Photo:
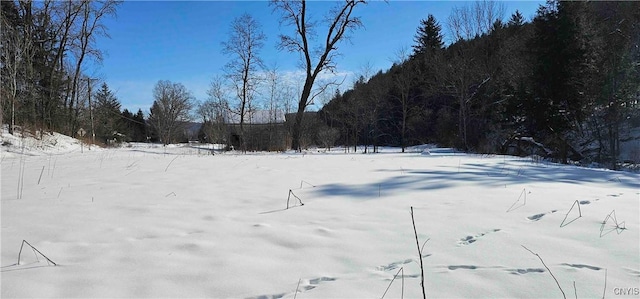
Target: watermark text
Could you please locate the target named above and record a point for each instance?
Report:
(626, 291)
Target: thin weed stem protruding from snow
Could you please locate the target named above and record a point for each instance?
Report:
(520, 171)
(294, 195)
(545, 265)
(392, 280)
(415, 232)
(605, 283)
(305, 182)
(54, 166)
(298, 286)
(136, 162)
(422, 247)
(575, 291)
(34, 252)
(21, 179)
(165, 170)
(563, 224)
(619, 227)
(615, 179)
(41, 172)
(523, 196)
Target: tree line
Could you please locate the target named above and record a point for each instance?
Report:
(564, 85)
(314, 40)
(46, 45)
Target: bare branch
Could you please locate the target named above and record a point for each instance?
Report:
(321, 90)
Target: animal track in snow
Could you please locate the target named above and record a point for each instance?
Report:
(632, 272)
(399, 264)
(303, 286)
(519, 271)
(394, 265)
(472, 239)
(580, 266)
(537, 217)
(313, 283)
(525, 271)
(277, 296)
(467, 267)
(316, 281)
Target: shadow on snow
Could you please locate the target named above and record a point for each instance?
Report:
(490, 174)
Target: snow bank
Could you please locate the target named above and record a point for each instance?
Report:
(39, 144)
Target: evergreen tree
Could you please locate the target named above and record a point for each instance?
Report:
(557, 79)
(569, 79)
(107, 116)
(516, 20)
(127, 124)
(615, 53)
(140, 131)
(428, 37)
(133, 126)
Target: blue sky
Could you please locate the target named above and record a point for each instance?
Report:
(180, 41)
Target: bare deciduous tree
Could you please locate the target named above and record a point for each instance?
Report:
(245, 41)
(274, 89)
(339, 21)
(13, 48)
(215, 112)
(403, 79)
(170, 110)
(465, 78)
(92, 13)
(68, 12)
(467, 22)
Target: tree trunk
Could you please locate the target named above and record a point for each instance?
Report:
(296, 130)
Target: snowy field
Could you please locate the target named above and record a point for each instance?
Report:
(151, 221)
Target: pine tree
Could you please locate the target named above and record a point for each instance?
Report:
(516, 20)
(558, 76)
(107, 114)
(133, 126)
(140, 132)
(127, 124)
(428, 37)
(614, 83)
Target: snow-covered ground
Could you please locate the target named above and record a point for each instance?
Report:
(150, 221)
